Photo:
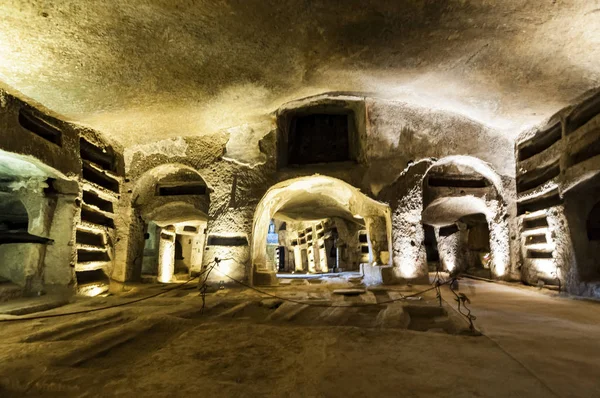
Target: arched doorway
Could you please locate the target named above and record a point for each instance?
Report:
(171, 204)
(462, 202)
(329, 226)
(37, 207)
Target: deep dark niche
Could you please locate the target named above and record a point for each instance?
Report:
(593, 223)
(40, 127)
(216, 240)
(184, 189)
(319, 138)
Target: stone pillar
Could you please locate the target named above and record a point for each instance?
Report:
(377, 237)
(129, 242)
(59, 261)
(451, 249)
(298, 266)
(166, 255)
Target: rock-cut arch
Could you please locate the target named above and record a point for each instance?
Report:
(326, 195)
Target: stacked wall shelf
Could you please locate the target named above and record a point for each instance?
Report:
(101, 188)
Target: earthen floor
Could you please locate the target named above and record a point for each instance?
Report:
(534, 344)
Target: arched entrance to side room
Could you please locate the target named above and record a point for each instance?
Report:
(462, 202)
(171, 203)
(37, 208)
(317, 225)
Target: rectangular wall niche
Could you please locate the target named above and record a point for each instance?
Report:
(318, 138)
(220, 240)
(40, 127)
(325, 133)
(181, 189)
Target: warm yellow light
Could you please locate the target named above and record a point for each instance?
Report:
(166, 261)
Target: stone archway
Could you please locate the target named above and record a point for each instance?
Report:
(174, 200)
(318, 197)
(458, 188)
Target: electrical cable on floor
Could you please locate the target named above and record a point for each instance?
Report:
(102, 308)
(323, 305)
(203, 289)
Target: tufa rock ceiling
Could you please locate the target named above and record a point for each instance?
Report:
(145, 70)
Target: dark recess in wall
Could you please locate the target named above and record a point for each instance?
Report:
(533, 239)
(540, 142)
(216, 240)
(457, 182)
(533, 223)
(89, 238)
(40, 127)
(92, 199)
(593, 223)
(184, 189)
(448, 230)
(539, 203)
(91, 276)
(103, 158)
(85, 256)
(96, 218)
(587, 152)
(538, 254)
(99, 178)
(319, 138)
(537, 177)
(584, 113)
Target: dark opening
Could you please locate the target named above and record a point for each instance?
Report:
(40, 127)
(89, 238)
(533, 223)
(319, 138)
(533, 239)
(540, 142)
(584, 113)
(448, 230)
(593, 223)
(168, 237)
(216, 240)
(96, 218)
(538, 254)
(430, 243)
(362, 238)
(94, 154)
(587, 152)
(91, 198)
(91, 276)
(364, 249)
(184, 189)
(538, 177)
(21, 237)
(85, 256)
(99, 178)
(178, 251)
(13, 215)
(457, 182)
(542, 202)
(189, 228)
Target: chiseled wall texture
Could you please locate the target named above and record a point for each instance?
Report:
(239, 166)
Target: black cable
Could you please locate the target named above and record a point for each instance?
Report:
(101, 308)
(329, 305)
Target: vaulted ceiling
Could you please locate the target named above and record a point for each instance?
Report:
(143, 70)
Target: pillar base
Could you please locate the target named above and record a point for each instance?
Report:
(261, 278)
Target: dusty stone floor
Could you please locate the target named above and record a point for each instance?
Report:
(535, 344)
